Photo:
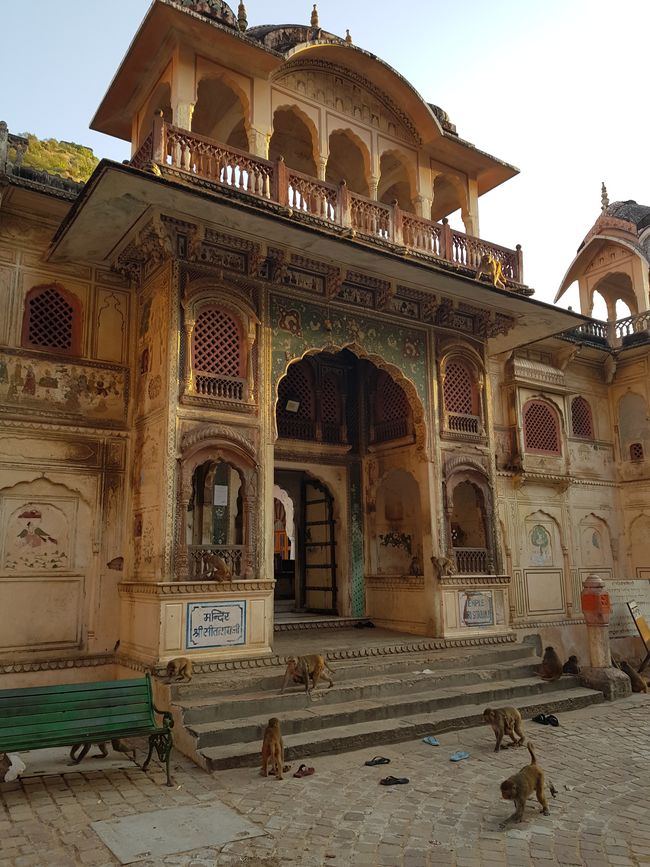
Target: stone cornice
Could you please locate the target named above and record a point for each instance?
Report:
(475, 580)
(195, 588)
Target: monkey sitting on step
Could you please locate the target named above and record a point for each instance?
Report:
(179, 668)
(301, 668)
(504, 721)
(571, 666)
(551, 668)
(520, 786)
(117, 743)
(638, 683)
(273, 749)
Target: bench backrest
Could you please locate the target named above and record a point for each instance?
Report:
(71, 713)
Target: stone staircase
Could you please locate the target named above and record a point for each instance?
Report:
(376, 700)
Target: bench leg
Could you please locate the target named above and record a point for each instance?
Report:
(162, 744)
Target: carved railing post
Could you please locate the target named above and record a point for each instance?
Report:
(158, 154)
(343, 216)
(519, 276)
(281, 182)
(446, 241)
(4, 140)
(397, 232)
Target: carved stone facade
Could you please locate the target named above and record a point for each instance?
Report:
(226, 399)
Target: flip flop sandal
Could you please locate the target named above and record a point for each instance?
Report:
(433, 742)
(304, 771)
(541, 718)
(393, 781)
(552, 720)
(458, 756)
(378, 760)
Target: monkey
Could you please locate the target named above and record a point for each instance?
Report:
(638, 683)
(571, 666)
(443, 566)
(180, 667)
(273, 749)
(504, 721)
(5, 764)
(117, 743)
(520, 786)
(216, 568)
(551, 668)
(493, 268)
(301, 668)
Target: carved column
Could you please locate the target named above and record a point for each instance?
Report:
(373, 185)
(188, 384)
(250, 524)
(183, 497)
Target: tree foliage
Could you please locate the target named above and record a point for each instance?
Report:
(59, 157)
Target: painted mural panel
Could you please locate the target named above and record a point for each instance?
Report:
(298, 327)
(37, 536)
(40, 386)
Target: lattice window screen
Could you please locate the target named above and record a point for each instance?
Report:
(50, 320)
(458, 389)
(330, 402)
(391, 403)
(581, 419)
(216, 343)
(296, 385)
(541, 429)
(636, 452)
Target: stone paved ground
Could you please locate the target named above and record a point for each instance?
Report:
(449, 814)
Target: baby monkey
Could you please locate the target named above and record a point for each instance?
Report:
(571, 665)
(504, 721)
(273, 749)
(520, 786)
(179, 668)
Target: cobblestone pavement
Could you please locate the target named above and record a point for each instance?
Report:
(449, 814)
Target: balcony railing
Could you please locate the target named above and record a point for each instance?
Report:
(332, 204)
(202, 560)
(458, 422)
(224, 387)
(471, 561)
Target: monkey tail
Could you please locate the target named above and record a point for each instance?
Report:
(533, 760)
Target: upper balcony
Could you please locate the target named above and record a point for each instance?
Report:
(185, 153)
(621, 333)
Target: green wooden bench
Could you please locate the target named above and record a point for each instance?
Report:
(84, 713)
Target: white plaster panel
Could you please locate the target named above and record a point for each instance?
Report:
(544, 591)
(451, 609)
(173, 627)
(43, 613)
(256, 616)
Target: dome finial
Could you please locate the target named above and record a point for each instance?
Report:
(348, 38)
(314, 17)
(242, 20)
(604, 198)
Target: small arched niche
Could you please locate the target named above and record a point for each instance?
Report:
(398, 533)
(215, 526)
(348, 161)
(395, 181)
(221, 114)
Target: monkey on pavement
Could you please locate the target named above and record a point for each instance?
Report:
(551, 668)
(117, 743)
(273, 749)
(521, 785)
(301, 668)
(504, 721)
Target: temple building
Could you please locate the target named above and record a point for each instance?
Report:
(254, 373)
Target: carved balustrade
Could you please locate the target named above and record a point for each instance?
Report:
(459, 422)
(633, 328)
(471, 561)
(201, 560)
(185, 151)
(224, 387)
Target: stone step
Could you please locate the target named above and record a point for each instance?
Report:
(343, 711)
(208, 687)
(380, 687)
(374, 733)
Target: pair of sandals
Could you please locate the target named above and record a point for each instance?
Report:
(546, 720)
(386, 781)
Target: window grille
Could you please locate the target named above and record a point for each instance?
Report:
(392, 410)
(459, 389)
(217, 343)
(51, 320)
(636, 452)
(541, 429)
(297, 387)
(581, 419)
(330, 403)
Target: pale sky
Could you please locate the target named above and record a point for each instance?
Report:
(555, 87)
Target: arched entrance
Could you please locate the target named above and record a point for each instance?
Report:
(349, 436)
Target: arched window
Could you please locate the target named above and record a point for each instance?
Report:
(541, 429)
(581, 419)
(460, 398)
(52, 320)
(392, 410)
(218, 361)
(296, 403)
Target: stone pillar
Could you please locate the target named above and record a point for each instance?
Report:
(600, 674)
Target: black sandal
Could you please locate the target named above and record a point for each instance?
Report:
(393, 781)
(378, 760)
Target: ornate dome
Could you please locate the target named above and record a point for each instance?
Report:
(284, 37)
(217, 10)
(630, 211)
